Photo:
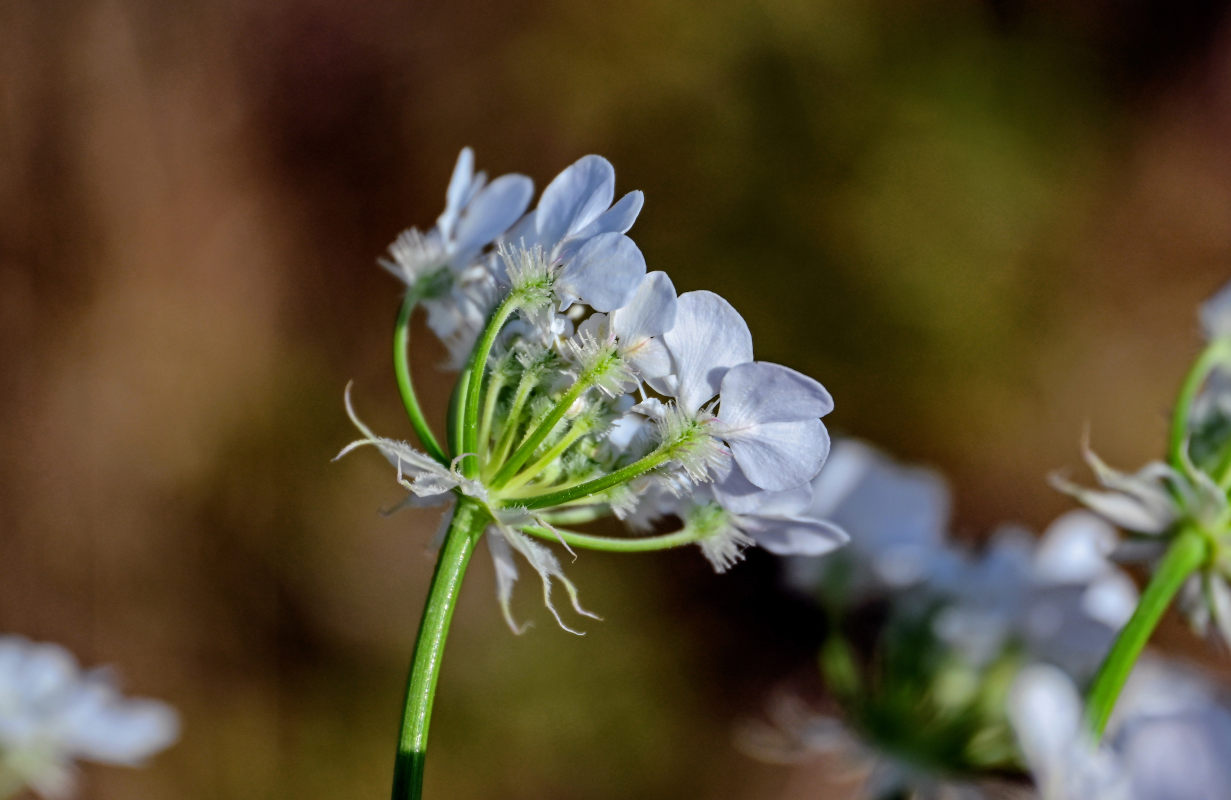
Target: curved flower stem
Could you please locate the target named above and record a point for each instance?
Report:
(582, 490)
(494, 387)
(464, 532)
(1188, 551)
(474, 389)
(1216, 353)
(401, 368)
(643, 544)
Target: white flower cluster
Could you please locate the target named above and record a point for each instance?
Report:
(590, 388)
(52, 713)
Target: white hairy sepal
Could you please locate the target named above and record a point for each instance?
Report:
(718, 533)
(598, 361)
(420, 261)
(540, 558)
(689, 445)
(417, 472)
(531, 277)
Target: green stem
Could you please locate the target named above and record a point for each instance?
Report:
(494, 388)
(512, 421)
(401, 368)
(478, 371)
(1218, 352)
(464, 532)
(531, 472)
(581, 490)
(1188, 551)
(644, 544)
(456, 404)
(535, 438)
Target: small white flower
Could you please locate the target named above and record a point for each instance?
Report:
(52, 713)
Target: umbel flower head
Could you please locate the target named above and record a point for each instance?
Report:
(1186, 494)
(588, 388)
(52, 714)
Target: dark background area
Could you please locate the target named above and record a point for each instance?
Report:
(984, 226)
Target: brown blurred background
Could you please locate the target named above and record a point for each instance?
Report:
(982, 225)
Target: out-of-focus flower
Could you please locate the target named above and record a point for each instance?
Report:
(52, 714)
(1060, 598)
(1170, 738)
(897, 517)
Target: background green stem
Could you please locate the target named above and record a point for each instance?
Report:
(1188, 551)
(1216, 353)
(406, 388)
(643, 544)
(464, 532)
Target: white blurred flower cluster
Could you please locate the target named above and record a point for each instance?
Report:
(589, 388)
(927, 634)
(52, 713)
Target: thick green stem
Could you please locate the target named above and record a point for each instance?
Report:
(464, 532)
(1217, 353)
(1188, 551)
(644, 544)
(478, 370)
(401, 368)
(582, 490)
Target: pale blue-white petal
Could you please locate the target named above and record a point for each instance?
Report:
(1047, 715)
(573, 199)
(763, 392)
(739, 495)
(605, 272)
(617, 219)
(124, 731)
(1216, 314)
(1075, 548)
(458, 192)
(490, 214)
(794, 536)
(650, 312)
(708, 338)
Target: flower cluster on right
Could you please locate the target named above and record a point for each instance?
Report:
(960, 671)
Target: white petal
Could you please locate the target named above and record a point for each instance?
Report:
(779, 455)
(708, 338)
(574, 199)
(1216, 314)
(126, 732)
(764, 392)
(605, 272)
(1046, 713)
(490, 214)
(739, 495)
(785, 536)
(650, 312)
(458, 192)
(1074, 548)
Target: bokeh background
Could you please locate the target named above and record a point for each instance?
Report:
(984, 226)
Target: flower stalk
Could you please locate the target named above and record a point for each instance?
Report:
(464, 531)
(1187, 553)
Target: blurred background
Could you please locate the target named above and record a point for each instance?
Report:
(984, 226)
